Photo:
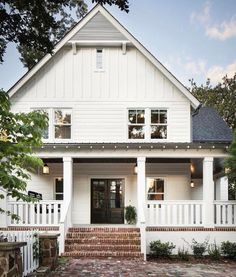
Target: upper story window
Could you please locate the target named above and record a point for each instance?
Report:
(136, 128)
(158, 124)
(62, 123)
(59, 123)
(99, 59)
(147, 123)
(155, 189)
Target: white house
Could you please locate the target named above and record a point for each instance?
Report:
(122, 131)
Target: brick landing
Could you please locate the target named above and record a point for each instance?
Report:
(98, 242)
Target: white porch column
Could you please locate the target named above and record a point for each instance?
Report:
(68, 184)
(141, 185)
(208, 192)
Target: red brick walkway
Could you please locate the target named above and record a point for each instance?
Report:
(124, 268)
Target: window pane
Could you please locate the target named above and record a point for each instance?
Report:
(63, 132)
(159, 185)
(155, 196)
(158, 132)
(140, 116)
(136, 132)
(132, 116)
(163, 117)
(62, 117)
(99, 63)
(59, 196)
(154, 116)
(59, 185)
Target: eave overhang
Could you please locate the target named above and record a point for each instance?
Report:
(136, 146)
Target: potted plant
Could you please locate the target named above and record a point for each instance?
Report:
(130, 214)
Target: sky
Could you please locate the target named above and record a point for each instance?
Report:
(194, 39)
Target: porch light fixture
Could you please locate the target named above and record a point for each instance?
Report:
(46, 169)
(192, 185)
(192, 169)
(135, 169)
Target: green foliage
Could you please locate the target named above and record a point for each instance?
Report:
(214, 251)
(36, 250)
(183, 254)
(130, 214)
(36, 26)
(19, 134)
(229, 249)
(161, 249)
(230, 164)
(198, 248)
(222, 97)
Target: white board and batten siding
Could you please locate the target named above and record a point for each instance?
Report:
(100, 99)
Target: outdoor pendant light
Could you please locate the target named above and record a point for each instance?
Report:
(192, 185)
(46, 169)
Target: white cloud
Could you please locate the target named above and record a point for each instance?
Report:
(195, 67)
(222, 31)
(203, 16)
(217, 72)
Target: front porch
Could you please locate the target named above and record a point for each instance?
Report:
(190, 191)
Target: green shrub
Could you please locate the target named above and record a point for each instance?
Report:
(214, 251)
(183, 254)
(198, 248)
(229, 249)
(161, 249)
(130, 214)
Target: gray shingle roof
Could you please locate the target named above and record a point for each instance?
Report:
(208, 126)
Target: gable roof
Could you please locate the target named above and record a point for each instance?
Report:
(208, 126)
(80, 27)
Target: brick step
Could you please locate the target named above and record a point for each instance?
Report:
(104, 229)
(103, 247)
(100, 241)
(102, 235)
(100, 254)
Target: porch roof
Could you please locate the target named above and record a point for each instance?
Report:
(208, 126)
(138, 145)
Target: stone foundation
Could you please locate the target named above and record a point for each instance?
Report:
(10, 259)
(48, 250)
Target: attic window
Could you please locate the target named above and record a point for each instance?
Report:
(99, 59)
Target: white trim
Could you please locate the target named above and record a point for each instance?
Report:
(98, 8)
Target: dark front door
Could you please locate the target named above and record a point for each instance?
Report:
(107, 201)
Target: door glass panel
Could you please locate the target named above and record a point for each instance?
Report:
(98, 195)
(115, 194)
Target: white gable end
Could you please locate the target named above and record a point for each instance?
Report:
(99, 28)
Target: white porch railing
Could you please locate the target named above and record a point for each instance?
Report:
(225, 213)
(30, 263)
(65, 223)
(174, 213)
(42, 213)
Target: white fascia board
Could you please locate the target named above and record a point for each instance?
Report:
(58, 46)
(195, 103)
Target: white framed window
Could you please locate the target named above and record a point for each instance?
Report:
(62, 123)
(99, 59)
(59, 188)
(158, 123)
(155, 188)
(136, 123)
(148, 123)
